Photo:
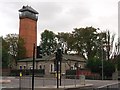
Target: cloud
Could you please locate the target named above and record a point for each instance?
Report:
(60, 15)
(65, 15)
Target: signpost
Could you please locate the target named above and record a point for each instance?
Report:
(33, 67)
(58, 66)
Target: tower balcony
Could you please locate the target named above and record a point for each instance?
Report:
(27, 15)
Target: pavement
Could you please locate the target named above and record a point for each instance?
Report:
(47, 83)
(4, 81)
(48, 87)
(67, 86)
(7, 82)
(52, 87)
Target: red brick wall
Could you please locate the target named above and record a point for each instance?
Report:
(28, 31)
(86, 73)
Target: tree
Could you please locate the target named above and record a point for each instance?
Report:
(94, 65)
(108, 44)
(48, 42)
(116, 55)
(108, 68)
(118, 62)
(85, 41)
(68, 41)
(16, 47)
(5, 54)
(21, 50)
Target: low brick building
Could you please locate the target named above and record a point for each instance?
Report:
(48, 63)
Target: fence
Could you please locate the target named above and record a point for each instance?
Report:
(40, 82)
(25, 83)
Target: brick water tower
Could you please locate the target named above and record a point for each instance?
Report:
(28, 28)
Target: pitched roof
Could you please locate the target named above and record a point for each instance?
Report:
(52, 57)
(28, 8)
(73, 57)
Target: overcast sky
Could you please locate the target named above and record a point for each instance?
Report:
(61, 15)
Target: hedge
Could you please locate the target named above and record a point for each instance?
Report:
(37, 72)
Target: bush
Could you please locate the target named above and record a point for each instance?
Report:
(24, 72)
(70, 74)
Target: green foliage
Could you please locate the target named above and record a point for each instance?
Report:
(107, 44)
(14, 46)
(21, 51)
(48, 42)
(117, 61)
(118, 64)
(12, 40)
(40, 72)
(5, 55)
(85, 41)
(109, 68)
(70, 74)
(88, 42)
(68, 41)
(94, 65)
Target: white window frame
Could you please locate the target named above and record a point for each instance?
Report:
(51, 67)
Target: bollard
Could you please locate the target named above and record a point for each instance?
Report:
(107, 87)
(20, 81)
(75, 80)
(43, 82)
(82, 79)
(64, 81)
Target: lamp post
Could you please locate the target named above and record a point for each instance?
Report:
(102, 60)
(59, 62)
(33, 67)
(102, 54)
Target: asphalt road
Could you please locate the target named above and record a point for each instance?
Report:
(25, 82)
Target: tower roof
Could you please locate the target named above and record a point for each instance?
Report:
(28, 8)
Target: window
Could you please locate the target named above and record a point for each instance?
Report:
(79, 65)
(44, 67)
(51, 69)
(40, 67)
(20, 67)
(72, 67)
(24, 67)
(31, 67)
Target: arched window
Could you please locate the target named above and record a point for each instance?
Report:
(44, 67)
(20, 67)
(40, 66)
(24, 67)
(51, 67)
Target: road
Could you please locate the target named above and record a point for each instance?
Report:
(49, 82)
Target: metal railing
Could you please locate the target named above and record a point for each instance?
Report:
(43, 82)
(40, 82)
(46, 81)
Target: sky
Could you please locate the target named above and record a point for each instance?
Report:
(61, 15)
